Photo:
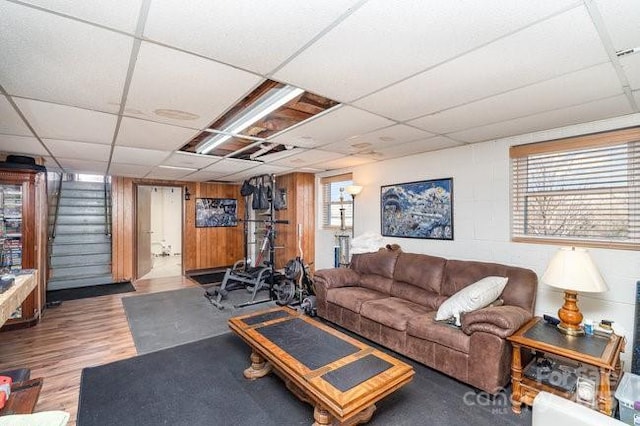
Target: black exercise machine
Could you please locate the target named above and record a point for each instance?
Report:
(262, 275)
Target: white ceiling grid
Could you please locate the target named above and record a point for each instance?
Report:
(414, 76)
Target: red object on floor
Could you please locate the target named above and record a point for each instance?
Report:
(5, 390)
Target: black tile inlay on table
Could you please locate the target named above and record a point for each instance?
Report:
(352, 374)
(547, 333)
(310, 345)
(269, 316)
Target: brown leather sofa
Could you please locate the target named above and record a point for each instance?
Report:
(392, 297)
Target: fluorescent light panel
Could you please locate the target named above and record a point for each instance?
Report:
(275, 98)
(177, 168)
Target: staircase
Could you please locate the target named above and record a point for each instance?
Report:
(80, 239)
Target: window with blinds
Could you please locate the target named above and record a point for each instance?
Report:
(583, 190)
(331, 202)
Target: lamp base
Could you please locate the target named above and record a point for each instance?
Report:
(570, 331)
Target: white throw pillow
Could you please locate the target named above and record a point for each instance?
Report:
(43, 418)
(472, 297)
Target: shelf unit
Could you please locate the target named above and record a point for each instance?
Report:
(23, 236)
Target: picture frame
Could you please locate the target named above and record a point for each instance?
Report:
(421, 209)
(216, 212)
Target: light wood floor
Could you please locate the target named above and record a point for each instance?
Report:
(77, 334)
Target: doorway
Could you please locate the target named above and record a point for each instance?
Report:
(159, 231)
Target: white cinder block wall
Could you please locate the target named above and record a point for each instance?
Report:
(481, 179)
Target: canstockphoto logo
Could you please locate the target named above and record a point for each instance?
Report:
(500, 403)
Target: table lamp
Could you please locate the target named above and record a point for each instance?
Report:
(573, 270)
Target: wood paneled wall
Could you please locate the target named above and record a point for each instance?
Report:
(300, 213)
(203, 248)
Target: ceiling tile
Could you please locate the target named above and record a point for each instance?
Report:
(148, 134)
(596, 110)
(257, 171)
(415, 147)
(83, 166)
(122, 15)
(279, 28)
(78, 150)
(10, 121)
(337, 124)
(307, 157)
(387, 137)
(517, 60)
(572, 89)
(203, 176)
(186, 159)
(51, 165)
(182, 89)
(275, 156)
(128, 170)
(621, 18)
(231, 165)
(399, 41)
(631, 67)
(139, 156)
(344, 162)
(21, 145)
(54, 121)
(56, 59)
(168, 174)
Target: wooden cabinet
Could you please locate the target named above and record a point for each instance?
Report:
(23, 236)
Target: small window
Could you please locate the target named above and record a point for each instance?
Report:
(333, 189)
(583, 190)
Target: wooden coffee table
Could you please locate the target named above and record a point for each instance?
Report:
(340, 376)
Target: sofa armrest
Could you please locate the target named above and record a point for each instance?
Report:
(502, 321)
(337, 277)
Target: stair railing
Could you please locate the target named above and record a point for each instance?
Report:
(57, 208)
(107, 219)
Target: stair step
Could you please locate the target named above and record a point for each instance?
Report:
(90, 186)
(79, 282)
(79, 219)
(62, 229)
(81, 259)
(62, 238)
(78, 211)
(81, 193)
(79, 271)
(80, 202)
(73, 249)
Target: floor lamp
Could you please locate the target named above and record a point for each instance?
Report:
(353, 190)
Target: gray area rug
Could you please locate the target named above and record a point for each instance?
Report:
(170, 318)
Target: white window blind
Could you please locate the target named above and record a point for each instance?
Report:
(583, 190)
(331, 205)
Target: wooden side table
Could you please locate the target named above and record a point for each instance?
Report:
(597, 352)
(23, 398)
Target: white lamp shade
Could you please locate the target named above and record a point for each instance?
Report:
(573, 269)
(353, 189)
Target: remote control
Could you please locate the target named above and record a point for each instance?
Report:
(551, 320)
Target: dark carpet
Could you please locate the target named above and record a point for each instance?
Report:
(89, 291)
(210, 278)
(171, 318)
(201, 383)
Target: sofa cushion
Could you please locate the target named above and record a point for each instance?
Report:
(381, 263)
(420, 270)
(427, 328)
(392, 312)
(351, 298)
(472, 297)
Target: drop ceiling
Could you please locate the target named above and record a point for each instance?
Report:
(119, 87)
